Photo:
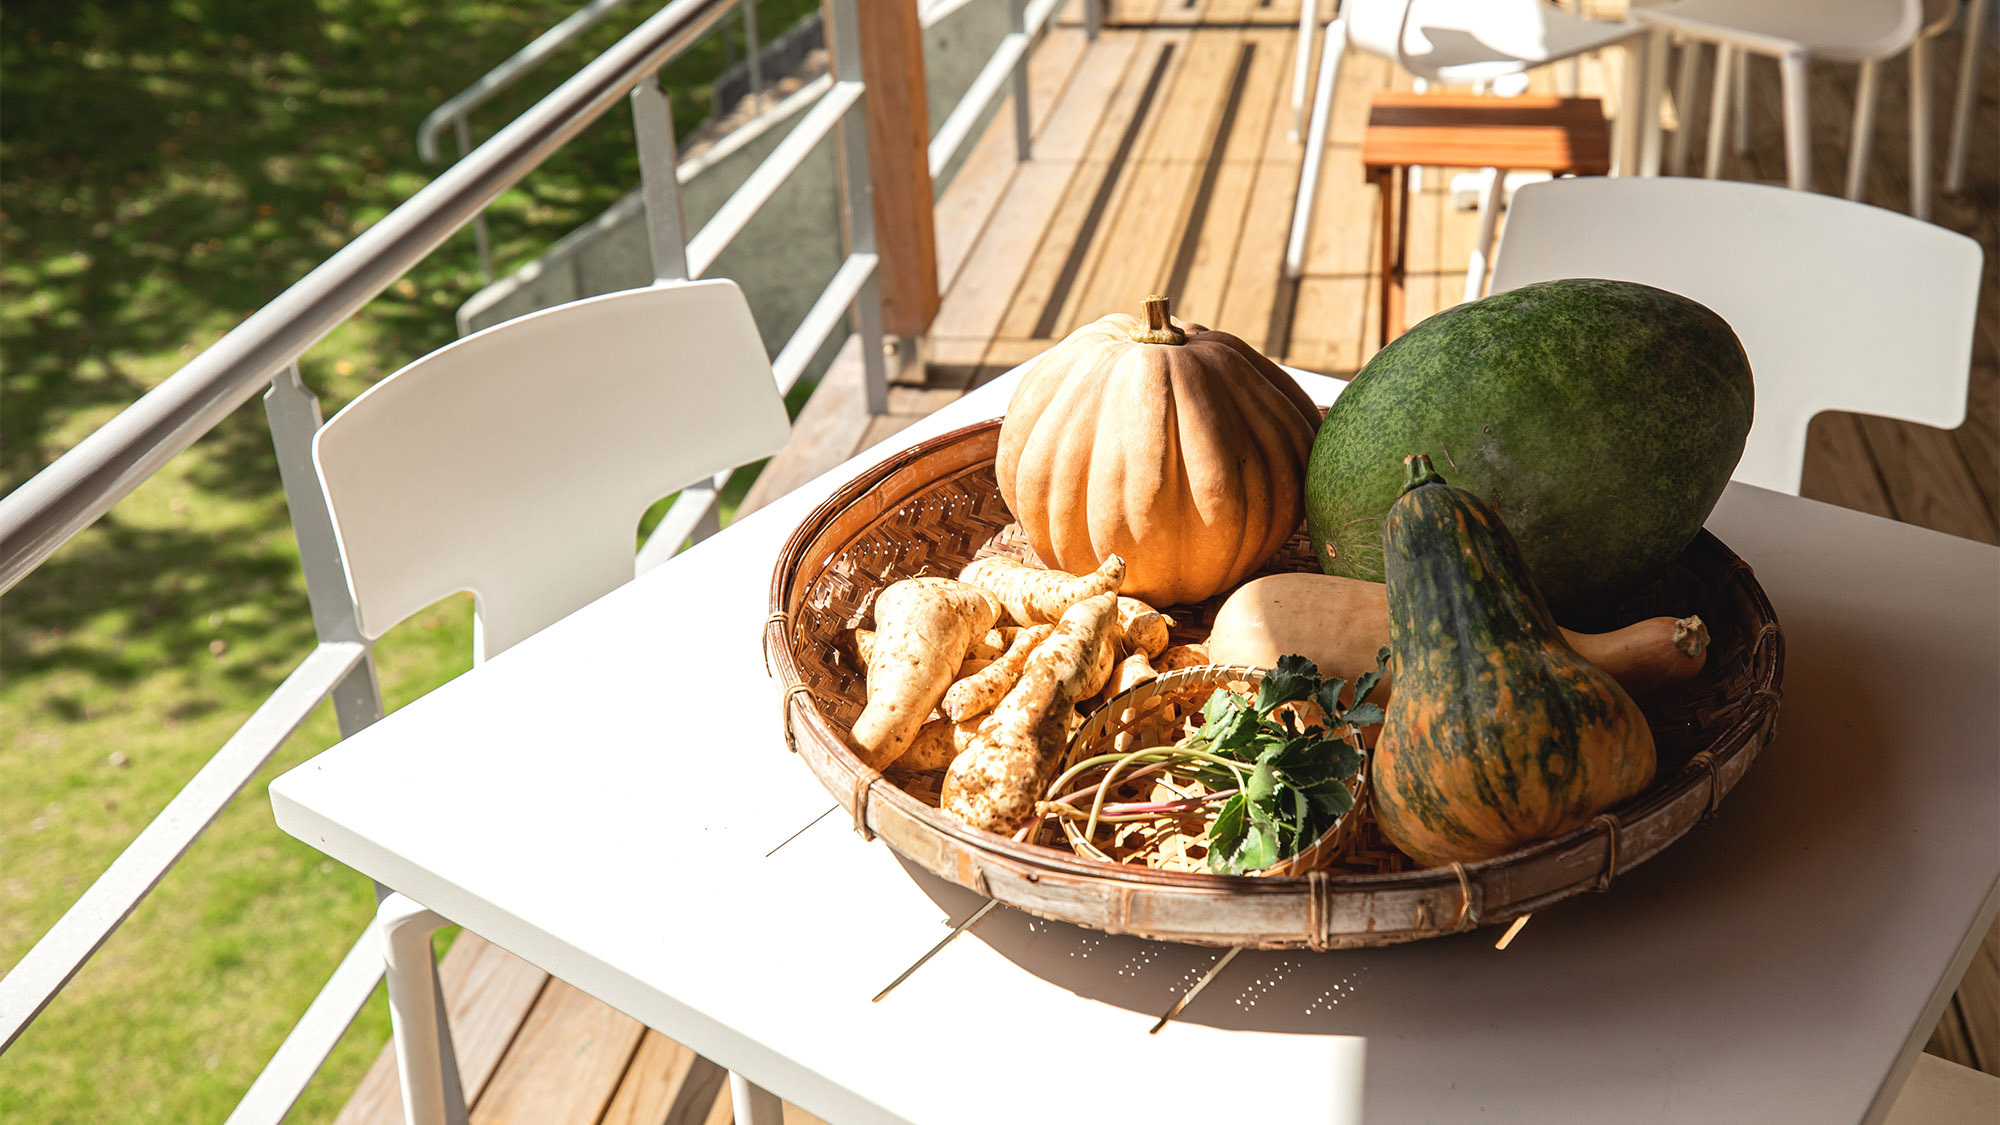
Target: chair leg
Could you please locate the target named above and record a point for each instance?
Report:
(1489, 217)
(754, 1105)
(1636, 150)
(1302, 65)
(1415, 176)
(1302, 205)
(1798, 122)
(1968, 85)
(1718, 107)
(1861, 146)
(426, 1065)
(1684, 86)
(1742, 103)
(1920, 128)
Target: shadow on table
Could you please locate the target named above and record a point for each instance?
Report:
(1679, 924)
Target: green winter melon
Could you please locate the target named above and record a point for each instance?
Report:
(1600, 419)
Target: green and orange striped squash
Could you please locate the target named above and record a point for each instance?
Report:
(1498, 734)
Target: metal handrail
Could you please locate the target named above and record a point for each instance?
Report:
(517, 66)
(85, 482)
(1005, 69)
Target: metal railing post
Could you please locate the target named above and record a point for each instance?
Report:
(481, 237)
(857, 201)
(1093, 18)
(294, 415)
(1024, 126)
(659, 184)
(751, 50)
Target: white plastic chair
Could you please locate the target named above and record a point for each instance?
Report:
(516, 463)
(1840, 306)
(1867, 32)
(1449, 42)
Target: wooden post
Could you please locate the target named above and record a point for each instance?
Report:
(899, 131)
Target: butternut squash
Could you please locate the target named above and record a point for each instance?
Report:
(1340, 623)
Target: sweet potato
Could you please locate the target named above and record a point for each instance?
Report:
(977, 694)
(923, 627)
(990, 645)
(864, 647)
(936, 744)
(1182, 656)
(995, 782)
(1132, 671)
(1143, 628)
(1034, 596)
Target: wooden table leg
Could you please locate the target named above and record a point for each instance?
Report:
(1395, 250)
(1384, 183)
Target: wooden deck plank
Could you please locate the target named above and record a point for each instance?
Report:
(1979, 438)
(1978, 1006)
(1206, 254)
(1137, 218)
(973, 306)
(1143, 225)
(1948, 1040)
(666, 1084)
(723, 1113)
(976, 307)
(1840, 467)
(962, 216)
(1076, 117)
(488, 993)
(1929, 479)
(1145, 68)
(569, 1033)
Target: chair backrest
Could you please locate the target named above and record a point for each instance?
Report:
(517, 462)
(1452, 40)
(1840, 306)
(1377, 26)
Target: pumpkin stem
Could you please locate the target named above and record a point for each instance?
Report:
(1419, 470)
(1159, 326)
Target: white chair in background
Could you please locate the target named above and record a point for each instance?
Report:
(1839, 305)
(1977, 12)
(516, 463)
(1867, 32)
(1450, 43)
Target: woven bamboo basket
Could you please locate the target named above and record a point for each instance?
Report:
(935, 507)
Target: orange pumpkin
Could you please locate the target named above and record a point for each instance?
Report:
(1181, 449)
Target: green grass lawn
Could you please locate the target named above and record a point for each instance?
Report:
(165, 169)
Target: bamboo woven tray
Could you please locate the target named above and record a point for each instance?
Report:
(936, 506)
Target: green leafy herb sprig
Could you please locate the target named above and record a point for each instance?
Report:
(1297, 784)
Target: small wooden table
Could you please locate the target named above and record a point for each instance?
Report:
(1562, 135)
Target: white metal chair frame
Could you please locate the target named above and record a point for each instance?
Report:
(516, 463)
(1839, 305)
(1704, 21)
(1385, 27)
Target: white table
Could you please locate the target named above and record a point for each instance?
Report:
(605, 800)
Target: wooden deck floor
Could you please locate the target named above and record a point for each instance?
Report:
(1162, 163)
